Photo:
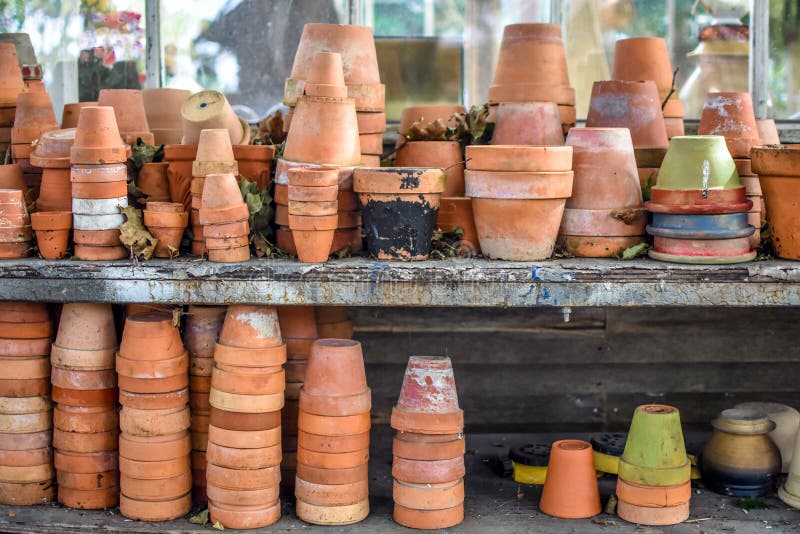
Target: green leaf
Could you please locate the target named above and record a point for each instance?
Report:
(142, 153)
(218, 526)
(200, 519)
(633, 252)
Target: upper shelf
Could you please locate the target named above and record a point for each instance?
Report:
(361, 282)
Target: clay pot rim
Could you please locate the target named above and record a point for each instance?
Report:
(384, 180)
(51, 220)
(743, 421)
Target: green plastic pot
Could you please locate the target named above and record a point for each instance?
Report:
(684, 167)
(654, 454)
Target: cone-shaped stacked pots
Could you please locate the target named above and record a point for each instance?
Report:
(166, 221)
(162, 107)
(570, 489)
(299, 328)
(605, 214)
(26, 417)
(224, 216)
(647, 58)
(16, 235)
(778, 169)
(313, 211)
(518, 197)
(635, 105)
(51, 155)
(541, 76)
(324, 106)
(699, 205)
(428, 449)
(129, 112)
(787, 424)
(399, 206)
(34, 116)
(210, 110)
(200, 335)
(155, 445)
(333, 440)
(86, 419)
(356, 46)
(99, 185)
(740, 459)
(653, 487)
(11, 85)
(789, 492)
(243, 457)
(731, 116)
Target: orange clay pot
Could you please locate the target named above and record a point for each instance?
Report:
(242, 479)
(519, 158)
(324, 460)
(129, 112)
(243, 458)
(428, 401)
(88, 481)
(11, 178)
(11, 83)
(333, 445)
(330, 391)
(24, 387)
(33, 117)
(445, 155)
(767, 132)
(731, 115)
(332, 476)
(331, 494)
(24, 348)
(425, 447)
(71, 112)
(643, 58)
(52, 233)
(428, 471)
(201, 332)
(429, 496)
(153, 422)
(244, 517)
(646, 515)
(214, 145)
(316, 114)
(179, 172)
(527, 123)
(86, 418)
(254, 327)
(98, 462)
(227, 420)
(162, 107)
(83, 380)
(570, 489)
(153, 181)
(210, 110)
(248, 357)
(297, 322)
(333, 426)
(86, 327)
(633, 105)
(154, 401)
(244, 439)
(155, 448)
(255, 162)
(428, 519)
(163, 338)
(778, 174)
(81, 442)
(155, 510)
(162, 488)
(97, 138)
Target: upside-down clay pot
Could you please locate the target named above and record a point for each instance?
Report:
(71, 112)
(778, 169)
(34, 116)
(129, 111)
(162, 107)
(570, 489)
(731, 116)
(740, 459)
(446, 155)
(97, 138)
(527, 123)
(787, 424)
(252, 327)
(643, 58)
(633, 105)
(52, 233)
(84, 328)
(210, 110)
(428, 401)
(768, 132)
(11, 178)
(336, 383)
(684, 163)
(399, 209)
(11, 83)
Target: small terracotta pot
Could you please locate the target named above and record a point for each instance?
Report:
(767, 132)
(428, 496)
(540, 42)
(97, 138)
(220, 191)
(255, 162)
(731, 115)
(52, 233)
(33, 117)
(254, 327)
(155, 510)
(654, 452)
(643, 58)
(153, 181)
(248, 357)
(244, 439)
(11, 84)
(130, 114)
(71, 112)
(633, 105)
(163, 338)
(527, 123)
(83, 380)
(315, 114)
(777, 173)
(214, 145)
(570, 490)
(297, 322)
(211, 110)
(445, 155)
(333, 426)
(329, 391)
(428, 401)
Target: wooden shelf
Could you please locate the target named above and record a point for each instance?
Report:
(362, 282)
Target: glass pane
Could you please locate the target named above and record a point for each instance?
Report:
(84, 45)
(244, 48)
(707, 43)
(784, 54)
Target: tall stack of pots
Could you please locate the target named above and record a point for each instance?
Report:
(532, 67)
(86, 419)
(225, 219)
(26, 463)
(428, 449)
(244, 436)
(635, 105)
(518, 197)
(647, 58)
(731, 116)
(154, 446)
(99, 185)
(166, 221)
(324, 106)
(34, 116)
(129, 112)
(11, 85)
(51, 155)
(313, 211)
(699, 205)
(200, 335)
(332, 484)
(605, 214)
(162, 107)
(16, 233)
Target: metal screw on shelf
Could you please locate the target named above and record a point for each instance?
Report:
(566, 311)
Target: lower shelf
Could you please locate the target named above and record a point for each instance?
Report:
(493, 504)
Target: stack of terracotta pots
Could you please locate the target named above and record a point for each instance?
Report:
(130, 114)
(71, 112)
(86, 418)
(255, 163)
(26, 463)
(11, 85)
(166, 221)
(428, 465)
(356, 46)
(324, 106)
(699, 205)
(541, 76)
(214, 155)
(162, 107)
(647, 58)
(154, 446)
(210, 110)
(518, 196)
(635, 105)
(299, 328)
(332, 484)
(244, 438)
(51, 154)
(605, 214)
(153, 182)
(200, 335)
(570, 487)
(34, 116)
(731, 116)
(653, 487)
(16, 235)
(99, 185)
(224, 216)
(313, 211)
(333, 321)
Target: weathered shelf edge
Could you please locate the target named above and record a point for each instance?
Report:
(355, 281)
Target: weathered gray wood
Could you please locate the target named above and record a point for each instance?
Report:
(355, 281)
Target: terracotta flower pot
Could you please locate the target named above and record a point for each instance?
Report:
(633, 105)
(428, 402)
(210, 110)
(643, 58)
(201, 332)
(86, 327)
(166, 221)
(445, 155)
(222, 200)
(605, 214)
(52, 233)
(97, 138)
(245, 517)
(34, 116)
(255, 162)
(315, 114)
(527, 123)
(754, 468)
(767, 132)
(162, 106)
(153, 182)
(789, 492)
(329, 391)
(214, 145)
(11, 84)
(400, 206)
(731, 116)
(787, 424)
(179, 172)
(253, 327)
(71, 111)
(654, 452)
(778, 175)
(155, 510)
(570, 490)
(11, 178)
(55, 191)
(130, 114)
(332, 515)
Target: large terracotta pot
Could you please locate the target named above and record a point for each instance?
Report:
(445, 155)
(130, 114)
(778, 169)
(632, 105)
(731, 116)
(527, 123)
(162, 106)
